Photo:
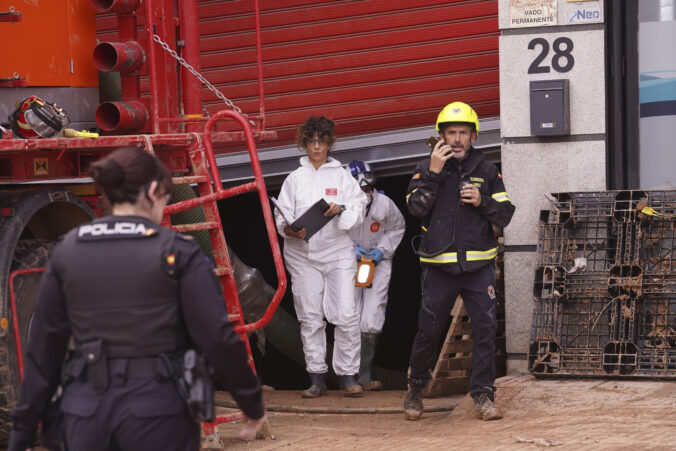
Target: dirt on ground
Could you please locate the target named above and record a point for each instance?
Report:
(561, 413)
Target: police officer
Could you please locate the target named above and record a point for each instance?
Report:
(458, 196)
(134, 296)
(376, 239)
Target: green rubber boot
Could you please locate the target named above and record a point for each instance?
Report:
(366, 366)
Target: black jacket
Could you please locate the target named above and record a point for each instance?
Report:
(185, 303)
(455, 235)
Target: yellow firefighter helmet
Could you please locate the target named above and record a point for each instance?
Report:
(458, 112)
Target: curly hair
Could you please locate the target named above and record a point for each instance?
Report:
(322, 126)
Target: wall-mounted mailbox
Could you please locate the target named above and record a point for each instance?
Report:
(549, 108)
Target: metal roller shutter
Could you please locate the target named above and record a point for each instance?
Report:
(371, 65)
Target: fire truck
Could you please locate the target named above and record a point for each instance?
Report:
(46, 189)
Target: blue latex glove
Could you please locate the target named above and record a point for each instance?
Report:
(375, 254)
(359, 252)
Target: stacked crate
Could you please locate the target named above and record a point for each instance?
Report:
(605, 286)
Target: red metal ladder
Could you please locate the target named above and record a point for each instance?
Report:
(210, 189)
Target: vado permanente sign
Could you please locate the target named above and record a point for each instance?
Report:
(532, 13)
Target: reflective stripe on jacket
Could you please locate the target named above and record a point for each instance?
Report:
(455, 234)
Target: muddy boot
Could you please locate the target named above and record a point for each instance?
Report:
(351, 387)
(317, 386)
(413, 406)
(368, 351)
(484, 407)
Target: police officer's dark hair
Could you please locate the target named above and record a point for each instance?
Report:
(126, 173)
(324, 127)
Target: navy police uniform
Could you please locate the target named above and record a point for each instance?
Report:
(136, 295)
(457, 248)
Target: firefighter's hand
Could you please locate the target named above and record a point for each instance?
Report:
(333, 210)
(440, 154)
(251, 427)
(470, 195)
(300, 234)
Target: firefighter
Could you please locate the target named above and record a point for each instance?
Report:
(322, 269)
(134, 296)
(376, 239)
(458, 196)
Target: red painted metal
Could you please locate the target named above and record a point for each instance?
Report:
(12, 16)
(213, 197)
(267, 213)
(121, 116)
(386, 65)
(12, 82)
(130, 82)
(152, 51)
(329, 23)
(166, 139)
(118, 56)
(15, 320)
(206, 199)
(210, 428)
(399, 57)
(259, 64)
(190, 35)
(115, 6)
(200, 155)
(165, 22)
(185, 120)
(194, 227)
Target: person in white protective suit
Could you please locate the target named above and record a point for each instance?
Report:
(322, 269)
(377, 239)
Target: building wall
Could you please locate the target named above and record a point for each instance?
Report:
(534, 166)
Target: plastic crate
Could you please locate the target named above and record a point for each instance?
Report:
(605, 286)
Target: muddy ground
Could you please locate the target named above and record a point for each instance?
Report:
(565, 414)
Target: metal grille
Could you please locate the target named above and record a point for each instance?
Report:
(605, 286)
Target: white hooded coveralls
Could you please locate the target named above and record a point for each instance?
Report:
(322, 270)
(383, 228)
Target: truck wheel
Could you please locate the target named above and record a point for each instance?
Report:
(27, 254)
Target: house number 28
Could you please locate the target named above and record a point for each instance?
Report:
(562, 60)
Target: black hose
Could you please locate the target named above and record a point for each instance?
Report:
(337, 410)
(110, 86)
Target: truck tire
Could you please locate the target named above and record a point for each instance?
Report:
(27, 254)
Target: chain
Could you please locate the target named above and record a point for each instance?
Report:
(200, 77)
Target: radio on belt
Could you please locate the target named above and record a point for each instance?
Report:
(549, 108)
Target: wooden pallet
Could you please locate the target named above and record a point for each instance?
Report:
(452, 372)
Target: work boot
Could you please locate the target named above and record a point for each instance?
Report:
(317, 386)
(368, 351)
(484, 407)
(413, 406)
(351, 387)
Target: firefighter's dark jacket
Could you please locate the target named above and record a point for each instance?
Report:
(457, 236)
(143, 289)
